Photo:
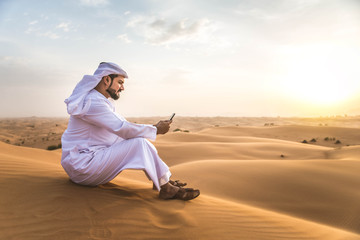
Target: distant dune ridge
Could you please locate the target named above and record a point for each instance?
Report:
(256, 181)
(42, 132)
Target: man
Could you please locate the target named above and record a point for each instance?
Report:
(99, 143)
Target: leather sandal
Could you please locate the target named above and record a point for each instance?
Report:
(186, 194)
(175, 183)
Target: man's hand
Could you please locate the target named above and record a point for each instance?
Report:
(163, 126)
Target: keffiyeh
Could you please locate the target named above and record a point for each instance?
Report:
(75, 103)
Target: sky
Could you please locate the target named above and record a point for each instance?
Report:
(253, 58)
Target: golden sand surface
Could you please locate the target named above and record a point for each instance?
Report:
(257, 181)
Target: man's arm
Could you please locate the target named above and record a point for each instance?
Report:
(100, 114)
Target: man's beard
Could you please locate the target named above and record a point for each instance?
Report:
(113, 93)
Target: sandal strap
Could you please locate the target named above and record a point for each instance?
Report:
(187, 194)
(177, 183)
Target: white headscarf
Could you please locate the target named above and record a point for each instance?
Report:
(75, 103)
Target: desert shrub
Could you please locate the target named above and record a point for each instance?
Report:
(330, 139)
(53, 147)
(313, 140)
(304, 141)
(338, 142)
(282, 155)
(186, 131)
(177, 130)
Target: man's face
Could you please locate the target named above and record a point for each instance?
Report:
(116, 87)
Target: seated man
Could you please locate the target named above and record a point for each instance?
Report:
(99, 143)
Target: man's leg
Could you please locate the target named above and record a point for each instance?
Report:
(135, 153)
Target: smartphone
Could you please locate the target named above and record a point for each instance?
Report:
(172, 116)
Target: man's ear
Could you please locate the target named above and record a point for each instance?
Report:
(106, 80)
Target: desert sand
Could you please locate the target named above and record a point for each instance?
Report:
(257, 181)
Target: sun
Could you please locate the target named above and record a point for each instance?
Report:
(317, 79)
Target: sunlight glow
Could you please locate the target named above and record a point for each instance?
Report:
(319, 77)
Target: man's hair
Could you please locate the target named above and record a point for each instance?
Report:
(112, 76)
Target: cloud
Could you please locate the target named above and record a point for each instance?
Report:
(135, 21)
(94, 3)
(64, 26)
(37, 31)
(164, 32)
(50, 35)
(161, 32)
(42, 30)
(32, 27)
(124, 38)
(33, 22)
(198, 35)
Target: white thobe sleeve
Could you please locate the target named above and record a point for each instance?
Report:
(100, 114)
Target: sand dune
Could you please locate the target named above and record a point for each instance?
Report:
(248, 190)
(325, 192)
(44, 132)
(297, 133)
(240, 148)
(250, 170)
(346, 153)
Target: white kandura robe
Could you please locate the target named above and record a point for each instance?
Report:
(99, 144)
